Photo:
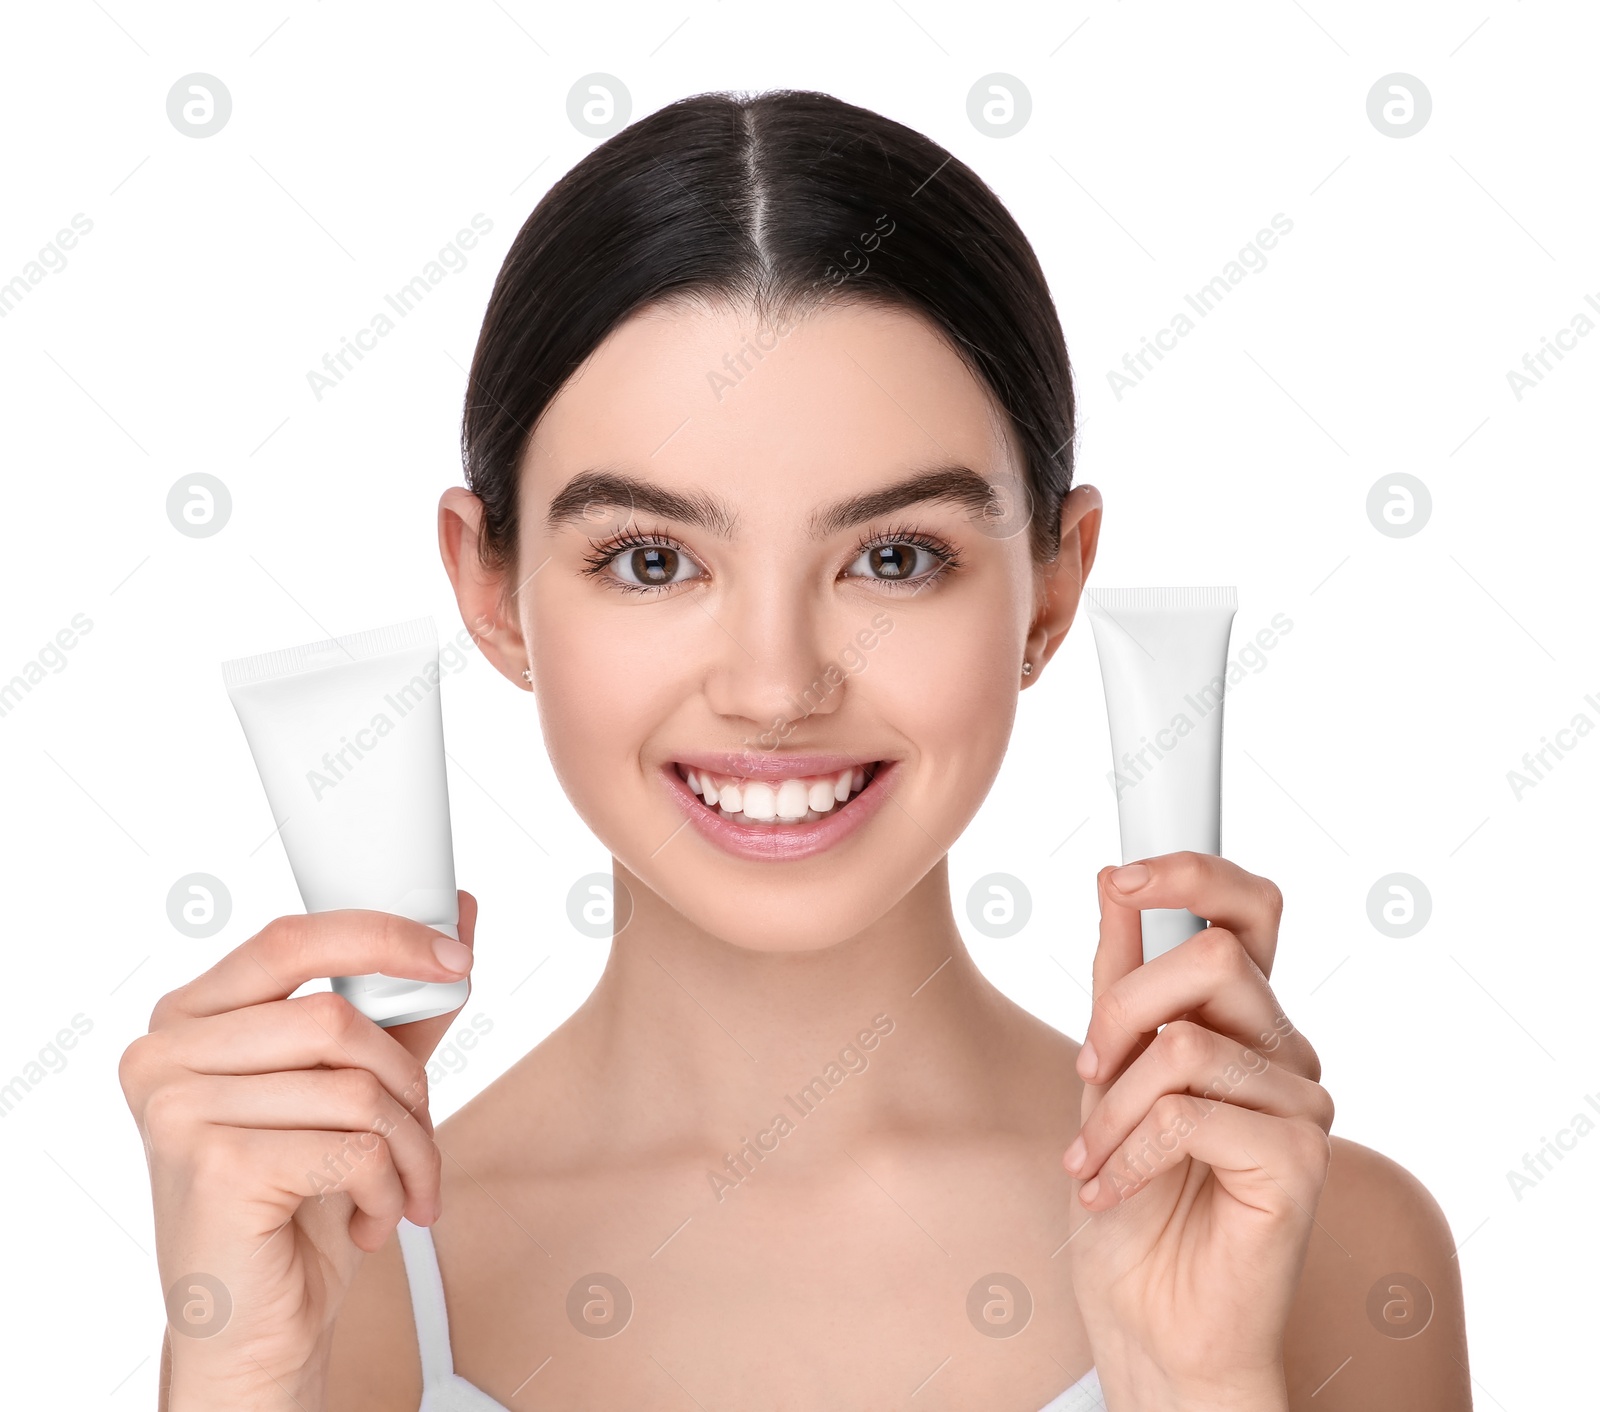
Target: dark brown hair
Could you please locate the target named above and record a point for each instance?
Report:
(778, 200)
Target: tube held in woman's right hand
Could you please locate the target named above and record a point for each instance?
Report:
(349, 740)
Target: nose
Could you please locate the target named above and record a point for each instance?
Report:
(771, 666)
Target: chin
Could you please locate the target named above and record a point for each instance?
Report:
(809, 929)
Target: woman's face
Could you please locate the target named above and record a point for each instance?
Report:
(758, 561)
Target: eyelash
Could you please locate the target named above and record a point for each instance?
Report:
(603, 552)
(949, 559)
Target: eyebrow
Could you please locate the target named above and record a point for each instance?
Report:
(591, 490)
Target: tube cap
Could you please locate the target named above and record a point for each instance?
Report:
(392, 1000)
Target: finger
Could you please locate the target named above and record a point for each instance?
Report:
(320, 1165)
(1187, 1058)
(1119, 952)
(341, 1100)
(421, 1037)
(1222, 892)
(1121, 947)
(1210, 978)
(321, 1028)
(1275, 1165)
(289, 951)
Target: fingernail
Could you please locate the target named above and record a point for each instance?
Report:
(1129, 877)
(1089, 1191)
(1075, 1155)
(1088, 1061)
(453, 956)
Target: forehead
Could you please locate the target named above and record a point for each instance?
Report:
(770, 416)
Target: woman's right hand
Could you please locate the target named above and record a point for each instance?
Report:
(286, 1138)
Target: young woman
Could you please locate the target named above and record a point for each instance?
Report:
(769, 452)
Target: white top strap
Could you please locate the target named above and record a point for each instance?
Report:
(427, 1302)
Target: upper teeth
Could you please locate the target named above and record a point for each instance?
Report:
(802, 798)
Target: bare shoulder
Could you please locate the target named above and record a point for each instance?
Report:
(1036, 1049)
(1378, 1322)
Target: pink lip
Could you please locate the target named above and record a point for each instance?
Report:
(780, 843)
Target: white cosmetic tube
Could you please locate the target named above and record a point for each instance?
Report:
(1164, 662)
(349, 741)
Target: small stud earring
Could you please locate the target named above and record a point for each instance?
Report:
(527, 675)
(1027, 668)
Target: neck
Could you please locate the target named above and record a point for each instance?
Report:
(693, 1043)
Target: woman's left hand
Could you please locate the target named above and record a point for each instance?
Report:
(1203, 1147)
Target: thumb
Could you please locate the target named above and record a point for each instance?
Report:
(421, 1037)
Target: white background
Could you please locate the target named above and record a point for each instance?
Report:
(1377, 738)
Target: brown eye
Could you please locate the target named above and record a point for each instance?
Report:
(892, 561)
(641, 566)
(656, 564)
(900, 561)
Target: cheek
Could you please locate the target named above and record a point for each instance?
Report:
(947, 684)
(601, 691)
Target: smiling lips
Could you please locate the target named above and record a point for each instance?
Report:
(792, 800)
(777, 807)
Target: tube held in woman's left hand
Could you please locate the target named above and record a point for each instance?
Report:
(1164, 661)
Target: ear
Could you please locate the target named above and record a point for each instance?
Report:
(480, 592)
(1063, 579)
